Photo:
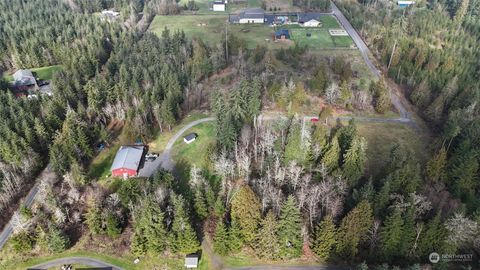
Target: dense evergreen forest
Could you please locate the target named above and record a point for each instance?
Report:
(278, 190)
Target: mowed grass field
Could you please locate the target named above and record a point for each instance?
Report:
(204, 6)
(43, 73)
(210, 28)
(196, 153)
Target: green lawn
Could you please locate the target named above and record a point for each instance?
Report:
(100, 166)
(329, 21)
(43, 73)
(207, 27)
(158, 145)
(196, 152)
(320, 38)
(342, 41)
(203, 7)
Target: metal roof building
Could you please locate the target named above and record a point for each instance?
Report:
(24, 77)
(127, 161)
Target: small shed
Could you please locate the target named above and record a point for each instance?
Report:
(191, 261)
(190, 138)
(282, 34)
(405, 3)
(219, 5)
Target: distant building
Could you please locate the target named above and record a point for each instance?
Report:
(190, 138)
(24, 78)
(405, 3)
(191, 261)
(252, 15)
(127, 161)
(110, 15)
(282, 34)
(311, 23)
(219, 5)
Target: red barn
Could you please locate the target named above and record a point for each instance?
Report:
(127, 161)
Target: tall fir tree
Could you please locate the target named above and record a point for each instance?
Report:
(290, 229)
(221, 239)
(391, 235)
(325, 238)
(245, 211)
(354, 229)
(184, 239)
(267, 245)
(354, 161)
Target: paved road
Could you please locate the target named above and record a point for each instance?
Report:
(164, 160)
(363, 48)
(273, 267)
(75, 260)
(7, 230)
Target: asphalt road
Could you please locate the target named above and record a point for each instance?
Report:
(75, 260)
(363, 48)
(7, 230)
(273, 267)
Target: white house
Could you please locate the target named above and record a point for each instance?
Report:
(191, 261)
(252, 15)
(110, 15)
(218, 6)
(311, 23)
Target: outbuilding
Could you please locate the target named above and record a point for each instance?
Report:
(219, 5)
(190, 138)
(252, 15)
(127, 161)
(282, 34)
(191, 261)
(405, 3)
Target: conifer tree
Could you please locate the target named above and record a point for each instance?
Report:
(332, 156)
(245, 210)
(354, 161)
(93, 218)
(184, 237)
(235, 241)
(391, 235)
(436, 166)
(290, 229)
(200, 205)
(221, 239)
(354, 229)
(325, 238)
(267, 245)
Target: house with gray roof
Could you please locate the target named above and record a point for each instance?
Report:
(127, 161)
(24, 77)
(249, 15)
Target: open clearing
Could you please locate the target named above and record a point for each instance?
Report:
(196, 152)
(42, 73)
(380, 138)
(210, 28)
(204, 6)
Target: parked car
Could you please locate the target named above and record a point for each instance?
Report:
(155, 155)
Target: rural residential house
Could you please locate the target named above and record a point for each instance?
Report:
(311, 23)
(252, 15)
(219, 5)
(127, 161)
(24, 78)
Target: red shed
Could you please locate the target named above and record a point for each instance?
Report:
(127, 161)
